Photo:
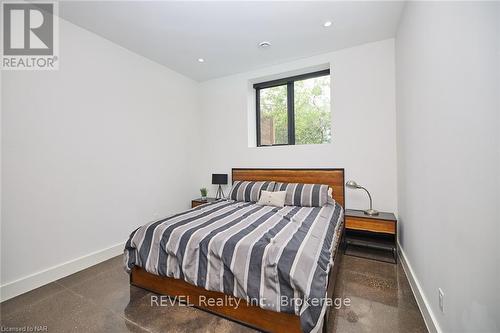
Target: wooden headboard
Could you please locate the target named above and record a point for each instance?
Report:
(332, 177)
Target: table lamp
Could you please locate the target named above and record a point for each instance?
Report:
(219, 179)
(354, 185)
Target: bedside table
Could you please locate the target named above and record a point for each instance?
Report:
(377, 233)
(200, 201)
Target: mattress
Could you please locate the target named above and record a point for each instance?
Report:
(276, 258)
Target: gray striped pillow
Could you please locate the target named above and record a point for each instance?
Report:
(305, 195)
(248, 190)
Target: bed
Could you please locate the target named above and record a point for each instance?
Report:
(269, 268)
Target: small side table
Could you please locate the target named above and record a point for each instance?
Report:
(200, 201)
(377, 232)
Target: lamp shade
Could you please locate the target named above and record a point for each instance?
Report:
(352, 184)
(219, 178)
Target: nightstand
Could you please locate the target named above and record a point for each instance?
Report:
(372, 237)
(200, 201)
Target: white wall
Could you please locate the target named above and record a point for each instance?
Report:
(363, 123)
(448, 109)
(90, 152)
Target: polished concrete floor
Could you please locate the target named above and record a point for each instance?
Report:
(100, 299)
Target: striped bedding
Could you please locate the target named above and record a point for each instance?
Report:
(308, 195)
(259, 253)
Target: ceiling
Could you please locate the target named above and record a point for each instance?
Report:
(226, 34)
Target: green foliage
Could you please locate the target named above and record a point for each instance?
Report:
(203, 192)
(312, 111)
(274, 107)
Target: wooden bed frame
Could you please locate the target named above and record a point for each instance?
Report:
(247, 314)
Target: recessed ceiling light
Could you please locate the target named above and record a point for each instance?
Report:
(201, 60)
(264, 44)
(327, 24)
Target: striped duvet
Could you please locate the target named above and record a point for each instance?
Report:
(277, 258)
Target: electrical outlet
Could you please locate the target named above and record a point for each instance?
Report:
(441, 299)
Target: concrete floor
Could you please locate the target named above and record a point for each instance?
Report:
(100, 299)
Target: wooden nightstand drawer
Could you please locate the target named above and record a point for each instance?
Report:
(196, 203)
(383, 226)
(371, 236)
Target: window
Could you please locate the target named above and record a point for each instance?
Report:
(294, 110)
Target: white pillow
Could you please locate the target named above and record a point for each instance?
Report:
(276, 199)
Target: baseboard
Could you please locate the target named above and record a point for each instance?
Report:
(54, 273)
(423, 304)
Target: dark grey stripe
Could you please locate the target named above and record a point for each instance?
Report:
(162, 259)
(315, 195)
(248, 191)
(288, 257)
(297, 196)
(130, 250)
(186, 236)
(234, 190)
(309, 318)
(255, 265)
(203, 253)
(228, 250)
